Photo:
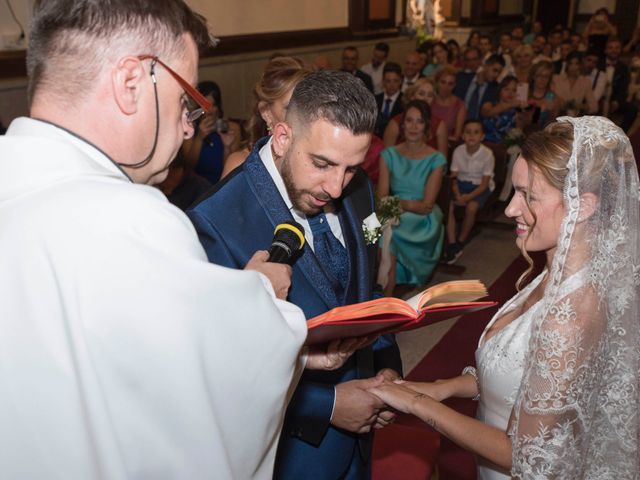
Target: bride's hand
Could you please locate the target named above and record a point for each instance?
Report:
(398, 396)
(437, 390)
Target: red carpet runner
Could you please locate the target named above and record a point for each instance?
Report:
(409, 449)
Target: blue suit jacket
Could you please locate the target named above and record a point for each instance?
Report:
(237, 218)
(463, 82)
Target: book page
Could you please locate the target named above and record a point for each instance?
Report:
(448, 292)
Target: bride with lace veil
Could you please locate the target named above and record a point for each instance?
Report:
(558, 366)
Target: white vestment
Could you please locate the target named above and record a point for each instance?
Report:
(123, 352)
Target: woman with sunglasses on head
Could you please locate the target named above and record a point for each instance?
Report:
(272, 94)
(558, 366)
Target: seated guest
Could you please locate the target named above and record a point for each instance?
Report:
(411, 69)
(618, 78)
(505, 47)
(438, 136)
(455, 55)
(540, 49)
(471, 60)
(473, 40)
(598, 31)
(559, 66)
(574, 88)
(350, 64)
(554, 39)
(390, 100)
(413, 172)
(536, 29)
(500, 116)
(375, 67)
(485, 46)
(271, 95)
(542, 105)
(210, 145)
(446, 105)
(471, 184)
(521, 62)
(440, 58)
(477, 89)
(597, 77)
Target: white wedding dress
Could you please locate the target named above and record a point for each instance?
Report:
(500, 365)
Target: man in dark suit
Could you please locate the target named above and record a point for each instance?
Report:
(350, 64)
(618, 78)
(476, 89)
(389, 102)
(308, 170)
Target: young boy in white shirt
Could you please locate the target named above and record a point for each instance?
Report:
(471, 184)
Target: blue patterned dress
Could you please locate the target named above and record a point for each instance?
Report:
(417, 240)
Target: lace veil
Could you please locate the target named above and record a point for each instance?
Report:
(576, 413)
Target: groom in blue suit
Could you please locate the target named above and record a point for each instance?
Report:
(308, 171)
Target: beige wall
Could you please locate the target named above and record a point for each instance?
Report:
(241, 17)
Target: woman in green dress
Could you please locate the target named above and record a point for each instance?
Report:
(413, 172)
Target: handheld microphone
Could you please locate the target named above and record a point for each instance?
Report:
(288, 240)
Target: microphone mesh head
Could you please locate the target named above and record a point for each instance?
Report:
(291, 234)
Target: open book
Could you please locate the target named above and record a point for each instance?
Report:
(385, 315)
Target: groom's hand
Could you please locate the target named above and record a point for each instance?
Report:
(356, 410)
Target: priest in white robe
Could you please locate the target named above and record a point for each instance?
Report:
(123, 352)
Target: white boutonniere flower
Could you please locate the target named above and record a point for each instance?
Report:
(372, 229)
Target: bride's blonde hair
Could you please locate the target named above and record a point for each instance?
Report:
(546, 152)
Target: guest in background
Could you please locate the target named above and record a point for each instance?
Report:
(543, 104)
(574, 89)
(438, 136)
(501, 116)
(618, 77)
(376, 66)
(413, 171)
(390, 101)
(539, 46)
(485, 46)
(471, 60)
(350, 59)
(597, 78)
(440, 59)
(411, 69)
(271, 95)
(446, 105)
(210, 146)
(473, 40)
(566, 47)
(471, 184)
(504, 47)
(554, 39)
(477, 89)
(520, 65)
(536, 29)
(455, 57)
(598, 31)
